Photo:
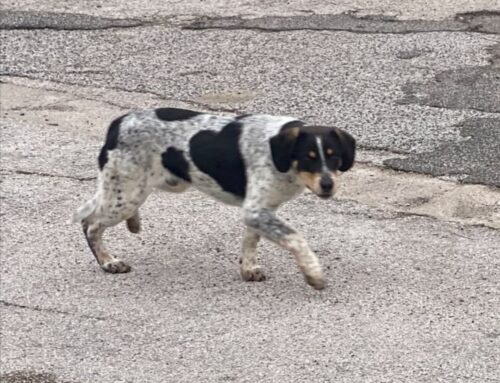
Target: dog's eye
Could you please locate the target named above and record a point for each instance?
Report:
(329, 152)
(311, 155)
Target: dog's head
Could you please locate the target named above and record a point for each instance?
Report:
(316, 153)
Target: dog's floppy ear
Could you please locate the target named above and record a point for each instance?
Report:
(282, 145)
(348, 148)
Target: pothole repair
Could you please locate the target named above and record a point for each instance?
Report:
(28, 377)
(475, 159)
(476, 88)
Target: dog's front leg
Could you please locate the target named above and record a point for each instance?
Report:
(264, 222)
(249, 269)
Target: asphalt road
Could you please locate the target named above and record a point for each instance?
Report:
(410, 247)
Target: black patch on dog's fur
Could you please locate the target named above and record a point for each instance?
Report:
(173, 160)
(219, 156)
(348, 145)
(111, 141)
(175, 114)
(283, 145)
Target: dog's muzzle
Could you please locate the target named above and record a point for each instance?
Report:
(326, 186)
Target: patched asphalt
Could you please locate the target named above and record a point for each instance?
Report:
(29, 377)
(475, 88)
(473, 159)
(484, 22)
(481, 21)
(60, 21)
(475, 156)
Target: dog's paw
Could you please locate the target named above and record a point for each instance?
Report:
(317, 282)
(253, 274)
(116, 267)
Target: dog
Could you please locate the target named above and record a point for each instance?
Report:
(257, 162)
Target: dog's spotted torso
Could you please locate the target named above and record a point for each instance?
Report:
(218, 155)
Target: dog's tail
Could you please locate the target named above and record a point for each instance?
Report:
(84, 211)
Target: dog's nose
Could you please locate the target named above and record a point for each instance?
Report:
(326, 184)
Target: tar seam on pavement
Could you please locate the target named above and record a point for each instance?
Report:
(480, 22)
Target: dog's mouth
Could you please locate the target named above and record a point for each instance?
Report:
(325, 195)
(321, 194)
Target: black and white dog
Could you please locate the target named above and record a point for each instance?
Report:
(257, 162)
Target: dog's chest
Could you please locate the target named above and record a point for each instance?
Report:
(285, 190)
(269, 188)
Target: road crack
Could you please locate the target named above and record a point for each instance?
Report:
(52, 311)
(42, 174)
(63, 312)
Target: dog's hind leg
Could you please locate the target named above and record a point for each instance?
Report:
(249, 269)
(109, 212)
(93, 234)
(123, 187)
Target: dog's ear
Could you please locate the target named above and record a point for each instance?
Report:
(348, 148)
(283, 144)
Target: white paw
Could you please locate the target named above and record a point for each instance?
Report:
(116, 267)
(253, 274)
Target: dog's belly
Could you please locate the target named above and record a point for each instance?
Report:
(209, 186)
(163, 179)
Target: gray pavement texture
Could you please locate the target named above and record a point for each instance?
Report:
(411, 260)
(355, 81)
(402, 9)
(409, 298)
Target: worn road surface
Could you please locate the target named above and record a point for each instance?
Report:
(410, 246)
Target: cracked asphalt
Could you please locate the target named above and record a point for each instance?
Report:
(410, 246)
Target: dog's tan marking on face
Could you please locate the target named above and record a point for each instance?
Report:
(311, 154)
(329, 151)
(311, 180)
(293, 132)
